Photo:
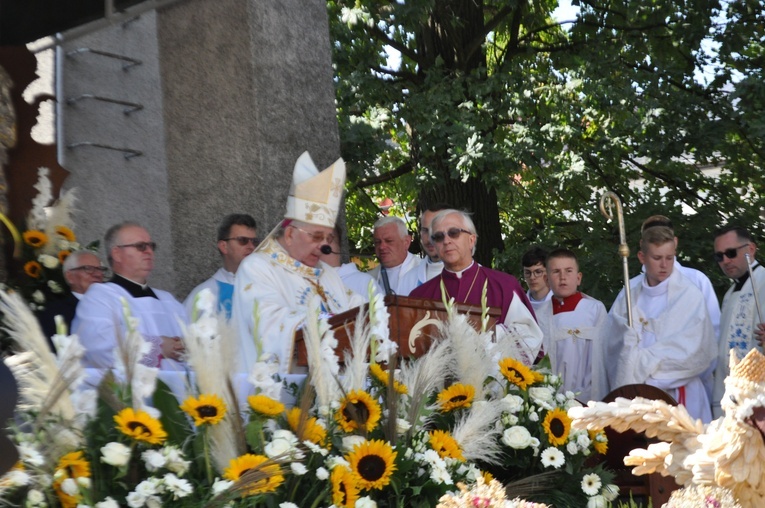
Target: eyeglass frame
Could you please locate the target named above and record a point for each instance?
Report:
(325, 239)
(528, 274)
(731, 253)
(244, 240)
(89, 269)
(140, 246)
(453, 233)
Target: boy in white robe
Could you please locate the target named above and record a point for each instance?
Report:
(671, 344)
(571, 322)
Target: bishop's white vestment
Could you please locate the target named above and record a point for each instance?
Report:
(671, 344)
(275, 289)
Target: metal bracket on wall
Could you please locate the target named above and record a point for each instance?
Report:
(131, 106)
(128, 153)
(129, 62)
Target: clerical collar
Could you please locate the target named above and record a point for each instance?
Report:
(742, 280)
(135, 289)
(461, 272)
(566, 304)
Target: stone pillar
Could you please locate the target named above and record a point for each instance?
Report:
(234, 91)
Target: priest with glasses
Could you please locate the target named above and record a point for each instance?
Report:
(455, 237)
(275, 284)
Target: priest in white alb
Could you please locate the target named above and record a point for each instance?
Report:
(275, 284)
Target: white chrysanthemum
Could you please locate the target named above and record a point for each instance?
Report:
(552, 457)
(178, 487)
(591, 484)
(115, 454)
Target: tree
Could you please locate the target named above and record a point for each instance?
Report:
(525, 121)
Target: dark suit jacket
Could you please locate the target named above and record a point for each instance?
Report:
(65, 307)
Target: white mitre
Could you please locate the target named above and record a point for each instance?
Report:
(315, 196)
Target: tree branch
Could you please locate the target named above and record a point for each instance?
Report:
(403, 169)
(405, 50)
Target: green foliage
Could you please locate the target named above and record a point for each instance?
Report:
(628, 98)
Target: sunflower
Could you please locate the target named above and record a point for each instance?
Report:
(445, 445)
(372, 464)
(35, 238)
(308, 429)
(557, 425)
(456, 396)
(265, 405)
(383, 377)
(358, 410)
(72, 465)
(67, 233)
(62, 255)
(206, 409)
(599, 441)
(140, 426)
(517, 373)
(266, 476)
(345, 492)
(33, 269)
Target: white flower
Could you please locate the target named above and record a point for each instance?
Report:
(38, 296)
(35, 497)
(336, 460)
(288, 505)
(597, 502)
(221, 486)
(572, 448)
(30, 455)
(175, 461)
(55, 286)
(177, 486)
(512, 403)
(542, 394)
(70, 487)
(534, 416)
(84, 482)
(402, 426)
(148, 487)
(16, 478)
(48, 261)
(322, 474)
(610, 492)
(591, 484)
(206, 302)
(583, 440)
(298, 469)
(153, 459)
(552, 457)
(115, 454)
(517, 437)
(365, 502)
(350, 442)
(153, 502)
(283, 442)
(108, 503)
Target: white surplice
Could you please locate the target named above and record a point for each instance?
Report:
(400, 283)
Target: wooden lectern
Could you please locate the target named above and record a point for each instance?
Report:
(412, 325)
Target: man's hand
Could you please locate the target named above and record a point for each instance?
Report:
(172, 348)
(759, 333)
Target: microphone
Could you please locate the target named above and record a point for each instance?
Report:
(385, 281)
(327, 249)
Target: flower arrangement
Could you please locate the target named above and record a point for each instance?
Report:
(47, 240)
(375, 434)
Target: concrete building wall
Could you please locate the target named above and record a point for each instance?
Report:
(234, 92)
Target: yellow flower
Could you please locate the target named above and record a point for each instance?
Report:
(599, 441)
(35, 238)
(266, 478)
(306, 428)
(372, 464)
(63, 254)
(140, 426)
(345, 492)
(487, 477)
(358, 411)
(265, 405)
(456, 396)
(33, 269)
(382, 376)
(517, 373)
(446, 446)
(67, 233)
(72, 465)
(557, 425)
(206, 409)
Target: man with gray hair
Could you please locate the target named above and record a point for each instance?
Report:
(99, 320)
(81, 269)
(392, 241)
(464, 280)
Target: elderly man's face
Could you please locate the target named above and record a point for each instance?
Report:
(88, 270)
(391, 248)
(457, 252)
(303, 241)
(133, 256)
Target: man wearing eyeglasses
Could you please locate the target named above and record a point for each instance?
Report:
(99, 319)
(81, 269)
(237, 239)
(454, 235)
(742, 320)
(278, 285)
(535, 275)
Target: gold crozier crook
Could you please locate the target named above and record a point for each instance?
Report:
(607, 201)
